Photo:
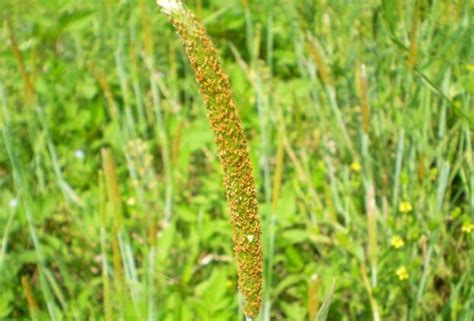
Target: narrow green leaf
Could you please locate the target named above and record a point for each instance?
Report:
(323, 311)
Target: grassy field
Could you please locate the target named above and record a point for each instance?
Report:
(359, 117)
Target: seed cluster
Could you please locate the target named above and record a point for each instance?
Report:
(232, 150)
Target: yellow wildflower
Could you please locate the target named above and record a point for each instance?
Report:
(433, 173)
(397, 242)
(356, 167)
(131, 201)
(402, 273)
(467, 228)
(405, 207)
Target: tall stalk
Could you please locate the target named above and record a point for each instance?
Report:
(232, 149)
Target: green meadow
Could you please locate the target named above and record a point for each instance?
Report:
(359, 119)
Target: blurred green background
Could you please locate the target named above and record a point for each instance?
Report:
(359, 116)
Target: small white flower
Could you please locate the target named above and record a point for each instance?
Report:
(13, 203)
(170, 6)
(206, 260)
(79, 154)
(250, 238)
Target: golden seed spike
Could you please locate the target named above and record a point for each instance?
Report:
(232, 150)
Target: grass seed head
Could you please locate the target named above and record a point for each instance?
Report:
(232, 150)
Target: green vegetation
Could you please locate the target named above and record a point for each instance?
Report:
(359, 121)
